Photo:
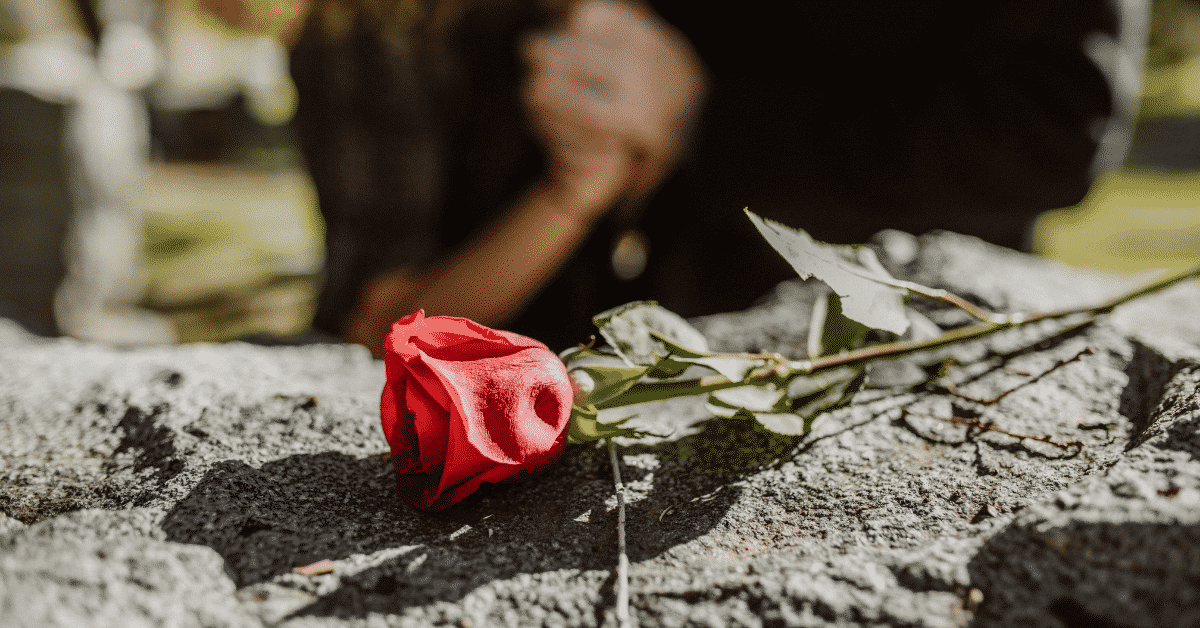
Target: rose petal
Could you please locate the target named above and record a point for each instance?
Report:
(453, 494)
(446, 337)
(521, 432)
(496, 402)
(476, 405)
(397, 426)
(432, 424)
(550, 406)
(504, 420)
(454, 347)
(463, 461)
(399, 341)
(432, 382)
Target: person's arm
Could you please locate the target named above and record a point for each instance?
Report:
(610, 93)
(495, 274)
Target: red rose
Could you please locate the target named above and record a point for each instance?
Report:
(465, 404)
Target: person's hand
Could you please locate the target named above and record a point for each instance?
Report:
(610, 91)
(384, 298)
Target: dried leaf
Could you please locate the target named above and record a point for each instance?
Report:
(316, 569)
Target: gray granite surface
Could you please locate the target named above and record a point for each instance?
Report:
(181, 486)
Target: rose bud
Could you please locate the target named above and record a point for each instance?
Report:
(466, 404)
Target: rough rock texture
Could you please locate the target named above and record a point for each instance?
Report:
(181, 486)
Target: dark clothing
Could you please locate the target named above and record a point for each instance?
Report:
(842, 118)
(845, 118)
(410, 151)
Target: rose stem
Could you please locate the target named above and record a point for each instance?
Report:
(657, 391)
(944, 296)
(622, 557)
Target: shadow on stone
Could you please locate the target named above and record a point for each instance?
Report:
(289, 512)
(151, 445)
(692, 488)
(1178, 425)
(1184, 437)
(1073, 614)
(1149, 373)
(560, 520)
(1089, 574)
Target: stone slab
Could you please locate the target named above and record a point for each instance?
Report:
(181, 486)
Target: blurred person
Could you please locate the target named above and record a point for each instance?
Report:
(35, 203)
(79, 256)
(531, 164)
(426, 166)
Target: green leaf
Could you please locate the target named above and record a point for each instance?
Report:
(866, 297)
(749, 398)
(584, 427)
(666, 368)
(766, 404)
(835, 396)
(597, 383)
(644, 334)
(635, 330)
(733, 367)
(579, 355)
(830, 331)
(726, 410)
(681, 350)
(802, 386)
(783, 423)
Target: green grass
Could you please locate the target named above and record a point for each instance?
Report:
(1131, 221)
(230, 251)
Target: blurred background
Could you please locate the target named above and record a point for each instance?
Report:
(183, 206)
(182, 211)
(1146, 215)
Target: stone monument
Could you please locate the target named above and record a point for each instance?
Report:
(1049, 478)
